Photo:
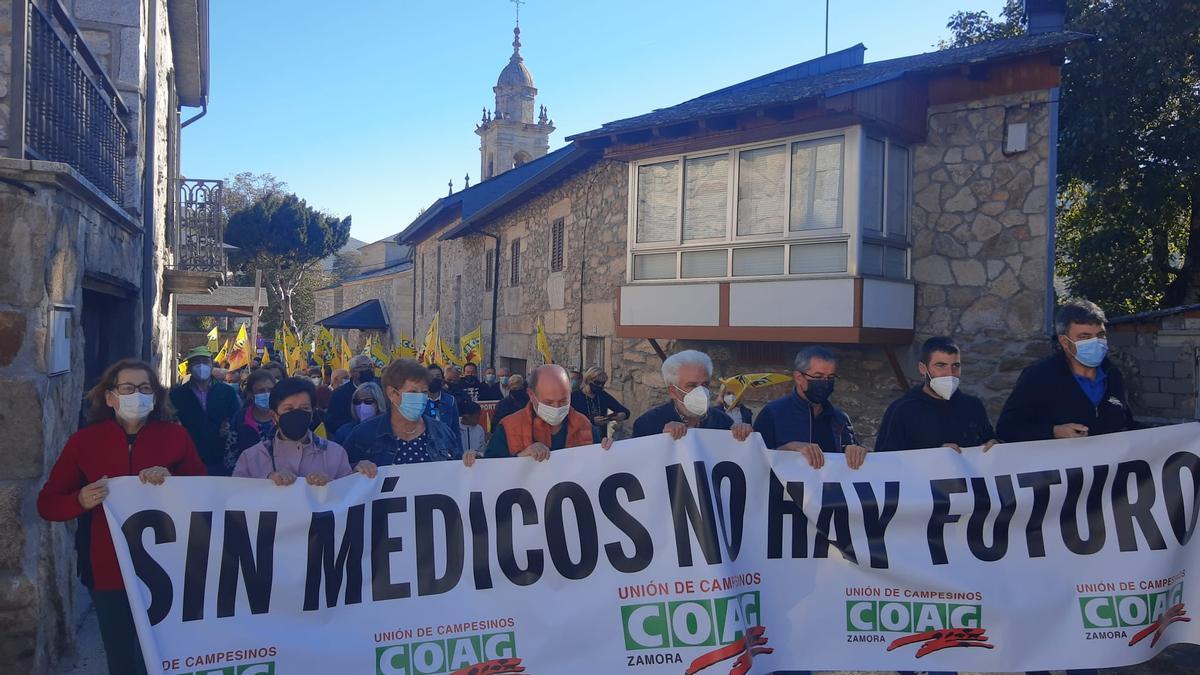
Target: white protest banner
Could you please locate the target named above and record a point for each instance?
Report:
(702, 555)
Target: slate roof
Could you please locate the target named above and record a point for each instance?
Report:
(830, 76)
(225, 296)
(482, 198)
(1154, 315)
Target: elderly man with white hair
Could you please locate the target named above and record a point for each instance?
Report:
(687, 376)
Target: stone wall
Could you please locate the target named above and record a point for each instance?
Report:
(1159, 359)
(56, 231)
(52, 239)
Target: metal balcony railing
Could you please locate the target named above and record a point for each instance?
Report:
(198, 225)
(73, 113)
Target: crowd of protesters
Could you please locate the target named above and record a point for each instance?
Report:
(283, 429)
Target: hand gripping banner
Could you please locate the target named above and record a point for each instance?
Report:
(703, 555)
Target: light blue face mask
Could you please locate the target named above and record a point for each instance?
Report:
(1091, 352)
(262, 401)
(412, 405)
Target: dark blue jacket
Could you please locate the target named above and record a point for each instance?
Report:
(653, 420)
(791, 418)
(918, 420)
(445, 410)
(375, 441)
(1047, 395)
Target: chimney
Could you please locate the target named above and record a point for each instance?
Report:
(1045, 16)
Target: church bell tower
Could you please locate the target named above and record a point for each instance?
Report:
(510, 135)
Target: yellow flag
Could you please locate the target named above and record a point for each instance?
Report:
(379, 355)
(266, 356)
(183, 369)
(290, 341)
(472, 347)
(222, 357)
(429, 350)
(213, 340)
(543, 344)
(297, 364)
(738, 384)
(323, 349)
(407, 348)
(345, 354)
(450, 354)
(240, 356)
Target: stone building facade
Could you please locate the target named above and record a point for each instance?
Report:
(1159, 355)
(87, 228)
(383, 272)
(975, 248)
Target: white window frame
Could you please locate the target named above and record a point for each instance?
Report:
(883, 237)
(852, 142)
(851, 232)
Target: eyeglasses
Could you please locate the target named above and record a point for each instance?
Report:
(127, 388)
(365, 400)
(820, 378)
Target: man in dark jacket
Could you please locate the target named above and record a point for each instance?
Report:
(362, 369)
(489, 387)
(516, 399)
(206, 408)
(687, 375)
(936, 413)
(805, 421)
(1073, 393)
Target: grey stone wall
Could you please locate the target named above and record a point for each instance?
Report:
(55, 234)
(1159, 360)
(51, 239)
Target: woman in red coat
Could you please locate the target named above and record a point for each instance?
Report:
(129, 434)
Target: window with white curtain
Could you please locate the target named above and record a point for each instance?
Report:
(658, 202)
(705, 197)
(773, 209)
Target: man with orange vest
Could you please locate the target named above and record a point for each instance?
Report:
(547, 423)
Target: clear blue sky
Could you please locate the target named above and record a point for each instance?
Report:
(369, 108)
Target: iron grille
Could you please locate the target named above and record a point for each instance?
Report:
(556, 245)
(515, 276)
(199, 228)
(73, 112)
(489, 270)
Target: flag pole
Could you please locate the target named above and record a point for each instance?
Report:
(254, 317)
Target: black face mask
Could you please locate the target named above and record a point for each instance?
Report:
(597, 386)
(819, 391)
(365, 376)
(435, 385)
(470, 379)
(294, 424)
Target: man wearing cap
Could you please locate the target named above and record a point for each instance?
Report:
(205, 408)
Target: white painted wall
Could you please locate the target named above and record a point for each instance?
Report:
(671, 305)
(802, 302)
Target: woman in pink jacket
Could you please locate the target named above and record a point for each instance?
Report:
(295, 451)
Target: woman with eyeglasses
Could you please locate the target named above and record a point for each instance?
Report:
(367, 403)
(130, 433)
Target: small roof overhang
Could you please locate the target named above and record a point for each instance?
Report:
(369, 315)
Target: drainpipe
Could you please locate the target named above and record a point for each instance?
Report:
(1051, 210)
(193, 118)
(495, 295)
(149, 228)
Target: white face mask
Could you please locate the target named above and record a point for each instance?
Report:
(728, 399)
(551, 415)
(696, 401)
(134, 407)
(944, 386)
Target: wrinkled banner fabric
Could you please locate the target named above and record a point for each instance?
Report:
(704, 555)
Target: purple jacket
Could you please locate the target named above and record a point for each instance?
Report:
(301, 458)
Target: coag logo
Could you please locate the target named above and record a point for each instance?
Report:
(1153, 611)
(689, 623)
(446, 655)
(266, 668)
(933, 625)
(887, 616)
